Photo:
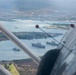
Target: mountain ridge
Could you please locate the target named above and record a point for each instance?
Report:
(23, 5)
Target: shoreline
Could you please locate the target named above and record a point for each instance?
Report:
(29, 35)
(19, 61)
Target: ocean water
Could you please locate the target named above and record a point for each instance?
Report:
(6, 47)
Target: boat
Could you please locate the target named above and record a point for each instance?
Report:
(16, 49)
(38, 45)
(52, 43)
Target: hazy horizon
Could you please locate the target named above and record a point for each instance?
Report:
(37, 4)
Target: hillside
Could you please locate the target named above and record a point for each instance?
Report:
(22, 4)
(37, 10)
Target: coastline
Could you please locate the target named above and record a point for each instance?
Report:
(29, 35)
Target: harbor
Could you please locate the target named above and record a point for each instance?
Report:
(22, 27)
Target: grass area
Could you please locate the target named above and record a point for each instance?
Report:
(13, 69)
